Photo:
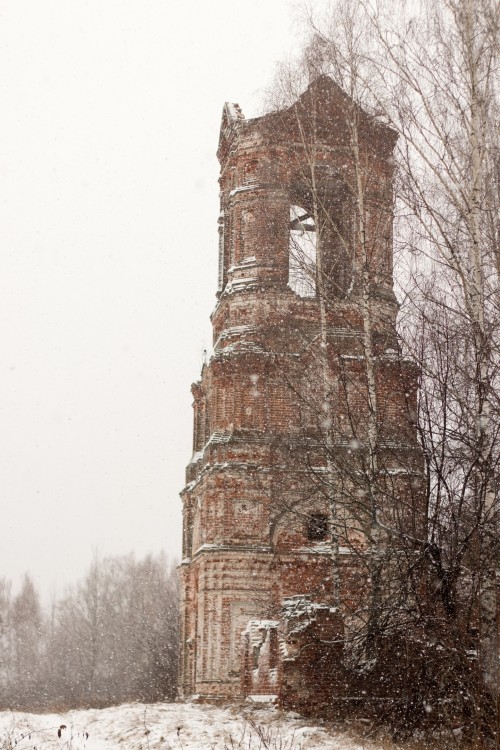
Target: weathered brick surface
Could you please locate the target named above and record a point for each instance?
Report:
(248, 498)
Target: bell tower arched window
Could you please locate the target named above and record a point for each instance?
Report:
(302, 252)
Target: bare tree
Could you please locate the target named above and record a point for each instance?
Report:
(26, 633)
(431, 79)
(437, 83)
(116, 633)
(5, 638)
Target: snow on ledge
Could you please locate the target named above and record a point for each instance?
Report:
(260, 625)
(197, 456)
(243, 189)
(262, 698)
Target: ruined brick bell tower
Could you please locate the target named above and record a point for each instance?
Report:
(257, 526)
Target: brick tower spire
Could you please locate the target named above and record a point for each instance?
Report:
(258, 523)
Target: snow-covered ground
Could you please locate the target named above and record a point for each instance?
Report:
(169, 726)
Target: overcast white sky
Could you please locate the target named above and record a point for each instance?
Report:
(108, 209)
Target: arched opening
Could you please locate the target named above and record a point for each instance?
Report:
(302, 252)
(325, 242)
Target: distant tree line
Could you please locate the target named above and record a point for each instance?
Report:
(111, 638)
